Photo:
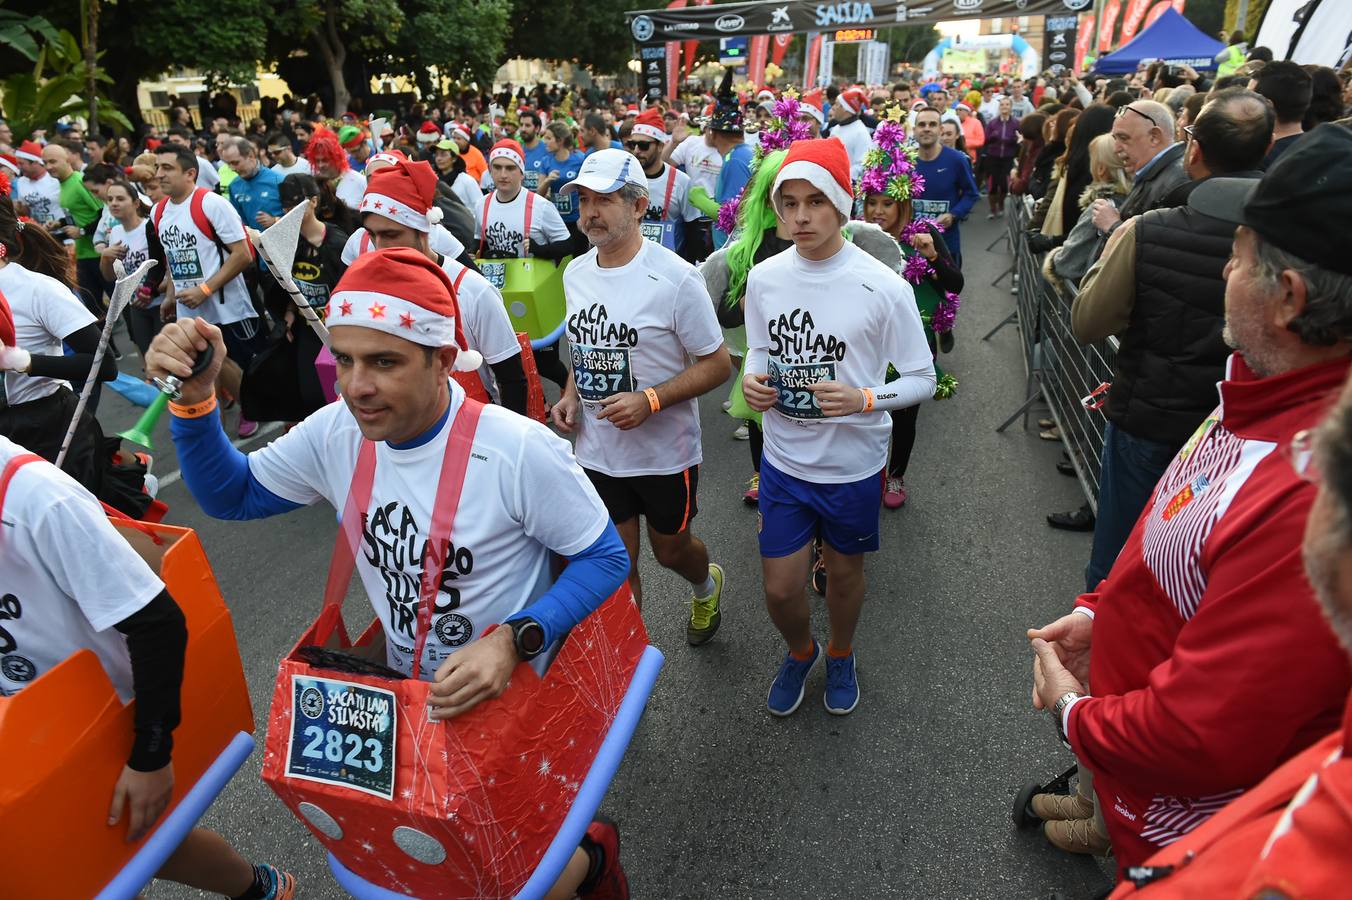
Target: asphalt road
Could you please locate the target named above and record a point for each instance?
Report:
(907, 797)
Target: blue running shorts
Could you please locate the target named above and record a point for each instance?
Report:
(793, 510)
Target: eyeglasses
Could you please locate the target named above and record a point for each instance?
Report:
(1301, 454)
(1192, 135)
(639, 145)
(1126, 109)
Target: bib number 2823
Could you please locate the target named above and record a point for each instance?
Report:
(342, 733)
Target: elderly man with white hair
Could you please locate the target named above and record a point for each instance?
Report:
(1144, 136)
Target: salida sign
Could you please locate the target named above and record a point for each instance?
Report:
(655, 26)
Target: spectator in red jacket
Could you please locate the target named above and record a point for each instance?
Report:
(1211, 663)
(1288, 836)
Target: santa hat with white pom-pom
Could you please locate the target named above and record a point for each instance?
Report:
(510, 150)
(406, 193)
(401, 292)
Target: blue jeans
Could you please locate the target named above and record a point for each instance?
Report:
(1131, 466)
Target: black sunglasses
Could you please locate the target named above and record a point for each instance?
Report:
(1126, 109)
(639, 145)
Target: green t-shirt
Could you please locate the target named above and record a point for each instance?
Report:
(85, 209)
(227, 175)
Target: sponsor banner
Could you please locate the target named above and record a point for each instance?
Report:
(1131, 19)
(654, 62)
(1108, 25)
(775, 17)
(1083, 40)
(1059, 42)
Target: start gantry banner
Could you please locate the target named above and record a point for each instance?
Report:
(655, 26)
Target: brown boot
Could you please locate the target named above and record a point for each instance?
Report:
(1077, 836)
(1061, 807)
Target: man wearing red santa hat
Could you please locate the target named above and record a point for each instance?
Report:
(516, 222)
(393, 320)
(670, 212)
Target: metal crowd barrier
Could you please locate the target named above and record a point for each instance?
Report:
(1070, 379)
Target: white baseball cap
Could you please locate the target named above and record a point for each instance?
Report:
(606, 171)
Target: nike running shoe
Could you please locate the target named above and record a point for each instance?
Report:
(283, 883)
(606, 879)
(786, 694)
(705, 616)
(894, 495)
(842, 687)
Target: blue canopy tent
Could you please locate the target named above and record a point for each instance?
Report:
(1172, 39)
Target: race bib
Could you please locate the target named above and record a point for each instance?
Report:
(184, 265)
(663, 233)
(495, 272)
(532, 180)
(930, 209)
(795, 400)
(342, 733)
(315, 293)
(601, 371)
(566, 204)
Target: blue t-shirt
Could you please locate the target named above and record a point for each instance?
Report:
(614, 145)
(537, 164)
(261, 193)
(568, 169)
(734, 175)
(949, 188)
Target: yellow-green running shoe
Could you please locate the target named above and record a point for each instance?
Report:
(705, 615)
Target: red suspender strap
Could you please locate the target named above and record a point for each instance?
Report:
(159, 212)
(11, 467)
(365, 243)
(483, 233)
(671, 183)
(530, 209)
(449, 488)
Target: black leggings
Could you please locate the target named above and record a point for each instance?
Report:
(756, 443)
(999, 168)
(903, 440)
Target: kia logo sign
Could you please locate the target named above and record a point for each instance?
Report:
(729, 23)
(1076, 5)
(966, 5)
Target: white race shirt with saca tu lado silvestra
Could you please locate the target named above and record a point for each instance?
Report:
(841, 319)
(523, 497)
(52, 604)
(506, 224)
(193, 258)
(45, 313)
(632, 327)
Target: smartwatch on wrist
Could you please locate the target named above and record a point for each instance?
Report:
(529, 637)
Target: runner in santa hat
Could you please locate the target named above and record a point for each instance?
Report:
(515, 222)
(393, 323)
(428, 135)
(399, 210)
(39, 191)
(823, 322)
(810, 107)
(847, 128)
(440, 237)
(670, 212)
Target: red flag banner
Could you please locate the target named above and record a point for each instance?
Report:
(1155, 12)
(692, 47)
(1107, 26)
(1084, 38)
(757, 52)
(814, 52)
(781, 47)
(673, 54)
(1131, 19)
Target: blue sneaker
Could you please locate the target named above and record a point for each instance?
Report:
(842, 688)
(787, 691)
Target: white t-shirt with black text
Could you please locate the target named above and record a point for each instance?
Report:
(45, 314)
(633, 327)
(506, 223)
(300, 167)
(138, 249)
(699, 161)
(193, 258)
(841, 319)
(43, 197)
(523, 497)
(52, 605)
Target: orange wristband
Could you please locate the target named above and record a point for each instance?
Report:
(653, 403)
(205, 288)
(194, 410)
(868, 400)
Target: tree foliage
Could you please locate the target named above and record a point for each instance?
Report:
(55, 87)
(590, 32)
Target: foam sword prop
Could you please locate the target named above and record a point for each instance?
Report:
(277, 247)
(123, 291)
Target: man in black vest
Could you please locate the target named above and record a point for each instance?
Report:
(1159, 286)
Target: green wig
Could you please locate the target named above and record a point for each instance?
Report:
(755, 215)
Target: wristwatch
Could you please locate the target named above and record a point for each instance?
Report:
(1058, 711)
(529, 637)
